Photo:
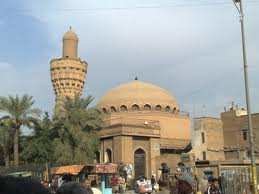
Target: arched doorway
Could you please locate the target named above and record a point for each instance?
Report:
(97, 156)
(108, 156)
(140, 163)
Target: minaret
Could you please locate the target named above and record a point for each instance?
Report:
(68, 73)
(70, 44)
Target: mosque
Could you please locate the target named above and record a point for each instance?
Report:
(143, 123)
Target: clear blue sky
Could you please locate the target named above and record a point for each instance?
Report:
(190, 47)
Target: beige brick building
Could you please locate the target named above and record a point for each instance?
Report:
(226, 138)
(207, 139)
(235, 132)
(143, 127)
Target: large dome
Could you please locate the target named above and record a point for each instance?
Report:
(138, 95)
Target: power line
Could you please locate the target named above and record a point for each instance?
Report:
(189, 4)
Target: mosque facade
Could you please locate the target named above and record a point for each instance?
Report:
(144, 127)
(143, 123)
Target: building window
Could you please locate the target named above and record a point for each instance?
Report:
(158, 107)
(167, 108)
(203, 137)
(123, 108)
(244, 134)
(204, 155)
(97, 157)
(108, 156)
(147, 107)
(113, 109)
(105, 110)
(135, 107)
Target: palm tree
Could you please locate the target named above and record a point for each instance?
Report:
(19, 112)
(79, 114)
(77, 122)
(38, 148)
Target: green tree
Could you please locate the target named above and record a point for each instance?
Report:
(77, 126)
(38, 148)
(19, 112)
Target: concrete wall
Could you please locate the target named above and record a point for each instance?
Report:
(213, 136)
(234, 124)
(171, 125)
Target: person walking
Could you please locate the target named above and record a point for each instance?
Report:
(153, 182)
(212, 186)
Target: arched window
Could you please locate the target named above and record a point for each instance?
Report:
(104, 110)
(123, 108)
(97, 156)
(147, 107)
(158, 107)
(113, 109)
(167, 108)
(174, 110)
(135, 107)
(108, 156)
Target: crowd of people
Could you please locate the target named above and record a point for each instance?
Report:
(17, 185)
(118, 184)
(182, 182)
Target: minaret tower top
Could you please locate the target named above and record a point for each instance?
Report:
(68, 73)
(70, 44)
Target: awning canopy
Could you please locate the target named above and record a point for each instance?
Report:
(72, 169)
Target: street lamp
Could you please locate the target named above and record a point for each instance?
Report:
(239, 5)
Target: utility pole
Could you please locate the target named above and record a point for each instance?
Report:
(239, 6)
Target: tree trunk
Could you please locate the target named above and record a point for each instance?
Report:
(16, 147)
(7, 159)
(73, 153)
(6, 151)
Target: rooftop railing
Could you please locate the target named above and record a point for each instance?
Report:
(145, 123)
